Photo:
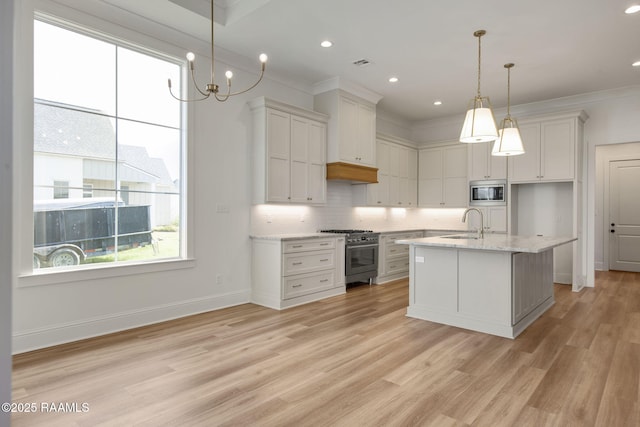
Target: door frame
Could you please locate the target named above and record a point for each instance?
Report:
(605, 211)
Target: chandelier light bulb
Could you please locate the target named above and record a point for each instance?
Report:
(191, 56)
(263, 57)
(228, 74)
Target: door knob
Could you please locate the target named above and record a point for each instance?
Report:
(613, 231)
(612, 224)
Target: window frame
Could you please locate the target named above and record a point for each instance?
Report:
(112, 33)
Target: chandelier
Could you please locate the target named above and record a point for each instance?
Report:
(509, 142)
(212, 88)
(479, 123)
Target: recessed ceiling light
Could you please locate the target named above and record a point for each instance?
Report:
(437, 102)
(636, 64)
(632, 9)
(393, 79)
(326, 43)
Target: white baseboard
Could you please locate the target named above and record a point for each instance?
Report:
(34, 339)
(599, 266)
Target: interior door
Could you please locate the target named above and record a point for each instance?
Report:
(624, 215)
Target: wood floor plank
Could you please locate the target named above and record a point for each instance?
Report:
(351, 360)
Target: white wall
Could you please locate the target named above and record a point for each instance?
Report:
(6, 222)
(54, 308)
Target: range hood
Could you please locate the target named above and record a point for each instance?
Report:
(356, 174)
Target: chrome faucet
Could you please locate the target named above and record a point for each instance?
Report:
(481, 229)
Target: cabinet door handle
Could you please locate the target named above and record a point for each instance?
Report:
(296, 286)
(324, 260)
(324, 280)
(296, 246)
(324, 244)
(297, 263)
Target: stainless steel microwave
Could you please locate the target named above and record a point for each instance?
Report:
(488, 193)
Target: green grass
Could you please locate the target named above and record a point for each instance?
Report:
(168, 246)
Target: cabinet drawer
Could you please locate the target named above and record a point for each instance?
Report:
(307, 284)
(395, 250)
(308, 245)
(397, 266)
(308, 262)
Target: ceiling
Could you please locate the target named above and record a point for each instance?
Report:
(560, 48)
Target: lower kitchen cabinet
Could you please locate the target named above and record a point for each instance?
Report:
(393, 260)
(288, 272)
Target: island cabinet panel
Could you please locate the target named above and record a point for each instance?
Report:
(532, 282)
(498, 290)
(485, 285)
(437, 272)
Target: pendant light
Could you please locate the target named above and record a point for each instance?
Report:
(509, 142)
(479, 124)
(211, 87)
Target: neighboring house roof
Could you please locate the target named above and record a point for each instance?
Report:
(90, 134)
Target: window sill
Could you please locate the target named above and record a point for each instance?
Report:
(48, 277)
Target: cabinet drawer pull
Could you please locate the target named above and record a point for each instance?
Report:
(296, 246)
(297, 263)
(324, 260)
(324, 244)
(296, 286)
(324, 280)
(392, 250)
(392, 266)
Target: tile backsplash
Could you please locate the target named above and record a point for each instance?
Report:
(339, 213)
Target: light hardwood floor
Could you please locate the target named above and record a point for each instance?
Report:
(352, 360)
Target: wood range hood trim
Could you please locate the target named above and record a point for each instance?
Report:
(357, 174)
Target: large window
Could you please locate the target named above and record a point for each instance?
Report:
(107, 151)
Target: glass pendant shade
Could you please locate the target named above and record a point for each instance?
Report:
(509, 142)
(479, 124)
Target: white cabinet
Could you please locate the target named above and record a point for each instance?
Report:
(495, 219)
(288, 154)
(550, 151)
(286, 273)
(482, 165)
(397, 178)
(442, 177)
(393, 259)
(352, 127)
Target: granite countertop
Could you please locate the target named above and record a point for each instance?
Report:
(295, 236)
(408, 230)
(494, 242)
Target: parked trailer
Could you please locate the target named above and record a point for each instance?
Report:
(67, 232)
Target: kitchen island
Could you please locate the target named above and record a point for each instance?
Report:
(498, 284)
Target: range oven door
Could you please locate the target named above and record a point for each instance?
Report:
(361, 259)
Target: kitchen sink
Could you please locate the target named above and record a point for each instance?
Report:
(461, 236)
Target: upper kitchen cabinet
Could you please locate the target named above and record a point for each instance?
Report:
(351, 145)
(482, 165)
(397, 186)
(442, 177)
(551, 146)
(289, 146)
(352, 127)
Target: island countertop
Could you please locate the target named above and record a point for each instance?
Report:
(492, 242)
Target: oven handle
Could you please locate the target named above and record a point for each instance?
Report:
(363, 246)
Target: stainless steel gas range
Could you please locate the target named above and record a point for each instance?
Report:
(361, 254)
